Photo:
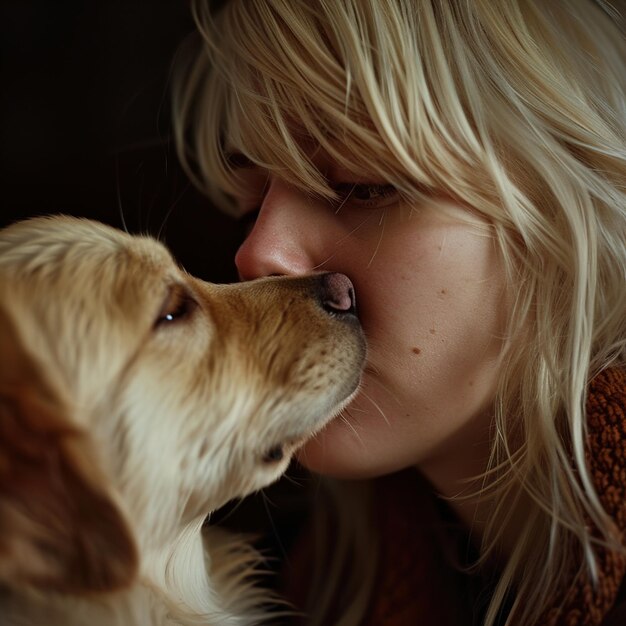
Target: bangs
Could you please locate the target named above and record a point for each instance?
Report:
(286, 80)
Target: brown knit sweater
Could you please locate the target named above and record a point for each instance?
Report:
(415, 584)
(606, 459)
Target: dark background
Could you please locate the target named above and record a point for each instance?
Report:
(85, 123)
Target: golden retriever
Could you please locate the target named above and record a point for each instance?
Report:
(134, 400)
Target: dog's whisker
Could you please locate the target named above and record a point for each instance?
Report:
(279, 543)
(170, 210)
(356, 409)
(348, 423)
(376, 406)
(292, 480)
(233, 507)
(376, 380)
(118, 193)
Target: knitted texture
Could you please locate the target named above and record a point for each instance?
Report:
(416, 584)
(586, 604)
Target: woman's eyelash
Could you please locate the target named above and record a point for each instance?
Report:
(364, 194)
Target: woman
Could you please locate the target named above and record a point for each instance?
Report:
(464, 163)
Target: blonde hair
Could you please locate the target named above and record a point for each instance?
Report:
(518, 110)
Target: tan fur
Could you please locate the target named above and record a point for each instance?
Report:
(119, 433)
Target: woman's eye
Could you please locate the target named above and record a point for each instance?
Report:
(178, 305)
(368, 195)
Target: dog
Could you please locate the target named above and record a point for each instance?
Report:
(134, 400)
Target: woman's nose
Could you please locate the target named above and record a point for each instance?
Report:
(281, 239)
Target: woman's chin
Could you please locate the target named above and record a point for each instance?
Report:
(335, 452)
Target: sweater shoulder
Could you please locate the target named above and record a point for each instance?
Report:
(606, 438)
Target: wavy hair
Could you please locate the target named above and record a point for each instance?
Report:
(518, 110)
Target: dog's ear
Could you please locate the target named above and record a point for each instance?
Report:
(59, 529)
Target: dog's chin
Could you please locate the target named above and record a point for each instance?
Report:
(271, 464)
(294, 447)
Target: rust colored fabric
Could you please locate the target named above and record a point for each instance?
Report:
(585, 605)
(416, 584)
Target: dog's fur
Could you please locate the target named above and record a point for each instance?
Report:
(134, 400)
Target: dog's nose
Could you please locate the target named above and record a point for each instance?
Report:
(337, 294)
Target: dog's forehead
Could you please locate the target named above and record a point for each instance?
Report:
(146, 258)
(131, 271)
(81, 267)
(53, 247)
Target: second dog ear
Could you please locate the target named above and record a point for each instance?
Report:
(59, 528)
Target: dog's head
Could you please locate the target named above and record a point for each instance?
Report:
(135, 398)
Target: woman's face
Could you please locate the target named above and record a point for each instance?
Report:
(429, 291)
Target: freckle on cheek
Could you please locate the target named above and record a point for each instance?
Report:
(416, 351)
(432, 331)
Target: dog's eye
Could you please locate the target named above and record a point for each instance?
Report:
(178, 306)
